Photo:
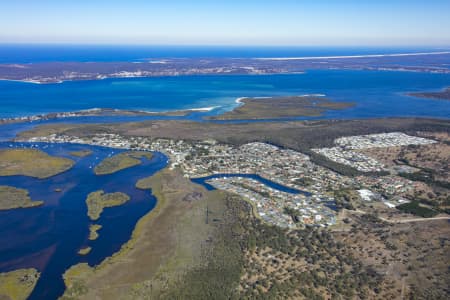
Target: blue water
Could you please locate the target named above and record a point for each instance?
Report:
(24, 53)
(48, 237)
(269, 183)
(376, 93)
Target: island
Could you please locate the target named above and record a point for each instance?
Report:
(93, 234)
(32, 162)
(84, 251)
(121, 161)
(282, 107)
(18, 284)
(81, 153)
(11, 197)
(97, 201)
(441, 95)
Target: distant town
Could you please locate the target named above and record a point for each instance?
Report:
(57, 72)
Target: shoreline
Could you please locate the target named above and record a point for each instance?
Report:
(31, 81)
(239, 100)
(353, 56)
(105, 112)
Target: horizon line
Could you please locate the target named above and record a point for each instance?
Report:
(226, 45)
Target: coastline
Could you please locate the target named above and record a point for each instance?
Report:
(102, 112)
(31, 81)
(353, 56)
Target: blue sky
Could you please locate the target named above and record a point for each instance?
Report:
(230, 22)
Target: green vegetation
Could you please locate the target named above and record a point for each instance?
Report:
(332, 165)
(18, 285)
(346, 198)
(304, 181)
(218, 273)
(97, 201)
(427, 176)
(93, 234)
(81, 153)
(32, 162)
(293, 213)
(296, 135)
(11, 197)
(282, 107)
(415, 208)
(84, 251)
(120, 161)
(304, 264)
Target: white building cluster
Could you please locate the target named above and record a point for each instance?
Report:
(346, 150)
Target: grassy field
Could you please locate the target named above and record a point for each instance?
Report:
(282, 107)
(97, 201)
(32, 162)
(120, 161)
(18, 285)
(11, 197)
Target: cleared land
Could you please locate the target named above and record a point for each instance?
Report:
(282, 107)
(32, 162)
(18, 285)
(120, 161)
(442, 95)
(97, 201)
(11, 197)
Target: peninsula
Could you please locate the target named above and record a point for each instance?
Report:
(441, 95)
(57, 72)
(282, 107)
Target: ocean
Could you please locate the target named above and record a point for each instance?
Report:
(376, 93)
(24, 53)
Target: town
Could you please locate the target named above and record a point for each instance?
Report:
(315, 186)
(345, 153)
